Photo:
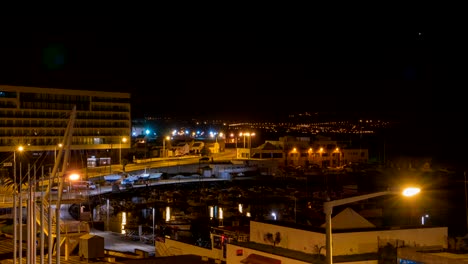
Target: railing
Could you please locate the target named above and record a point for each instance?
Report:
(163, 250)
(7, 199)
(65, 226)
(43, 219)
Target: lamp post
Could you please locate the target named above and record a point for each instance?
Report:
(244, 135)
(164, 146)
(18, 233)
(73, 178)
(60, 145)
(328, 208)
(15, 220)
(250, 135)
(154, 215)
(249, 138)
(124, 140)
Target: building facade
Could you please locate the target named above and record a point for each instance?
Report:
(268, 242)
(36, 118)
(302, 151)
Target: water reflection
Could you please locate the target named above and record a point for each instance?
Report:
(179, 223)
(168, 215)
(124, 222)
(189, 213)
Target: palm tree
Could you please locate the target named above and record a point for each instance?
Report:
(205, 151)
(276, 239)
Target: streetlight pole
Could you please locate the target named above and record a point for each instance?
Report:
(328, 208)
(15, 225)
(15, 205)
(164, 146)
(250, 143)
(154, 215)
(20, 215)
(60, 145)
(124, 140)
(245, 134)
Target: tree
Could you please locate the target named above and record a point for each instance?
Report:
(124, 163)
(205, 151)
(276, 239)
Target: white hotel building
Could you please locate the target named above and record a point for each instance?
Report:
(36, 118)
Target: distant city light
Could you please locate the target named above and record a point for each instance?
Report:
(124, 222)
(220, 213)
(168, 213)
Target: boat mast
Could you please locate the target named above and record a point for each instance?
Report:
(67, 142)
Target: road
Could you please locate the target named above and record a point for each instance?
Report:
(168, 165)
(161, 163)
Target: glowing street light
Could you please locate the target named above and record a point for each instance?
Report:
(249, 138)
(328, 208)
(15, 220)
(164, 145)
(60, 145)
(124, 140)
(73, 178)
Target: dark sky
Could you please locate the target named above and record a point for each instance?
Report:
(409, 69)
(227, 73)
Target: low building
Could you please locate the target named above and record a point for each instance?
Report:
(196, 147)
(305, 152)
(357, 241)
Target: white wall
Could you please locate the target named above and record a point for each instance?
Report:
(174, 247)
(291, 238)
(367, 242)
(232, 257)
(348, 243)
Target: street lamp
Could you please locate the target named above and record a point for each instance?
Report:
(249, 138)
(164, 145)
(15, 220)
(60, 145)
(328, 208)
(244, 135)
(124, 140)
(250, 135)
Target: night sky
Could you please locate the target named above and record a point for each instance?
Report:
(251, 73)
(257, 74)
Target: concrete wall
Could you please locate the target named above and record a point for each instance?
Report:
(291, 238)
(415, 254)
(232, 256)
(173, 247)
(349, 243)
(366, 242)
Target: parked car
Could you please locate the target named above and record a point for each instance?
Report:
(55, 187)
(83, 185)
